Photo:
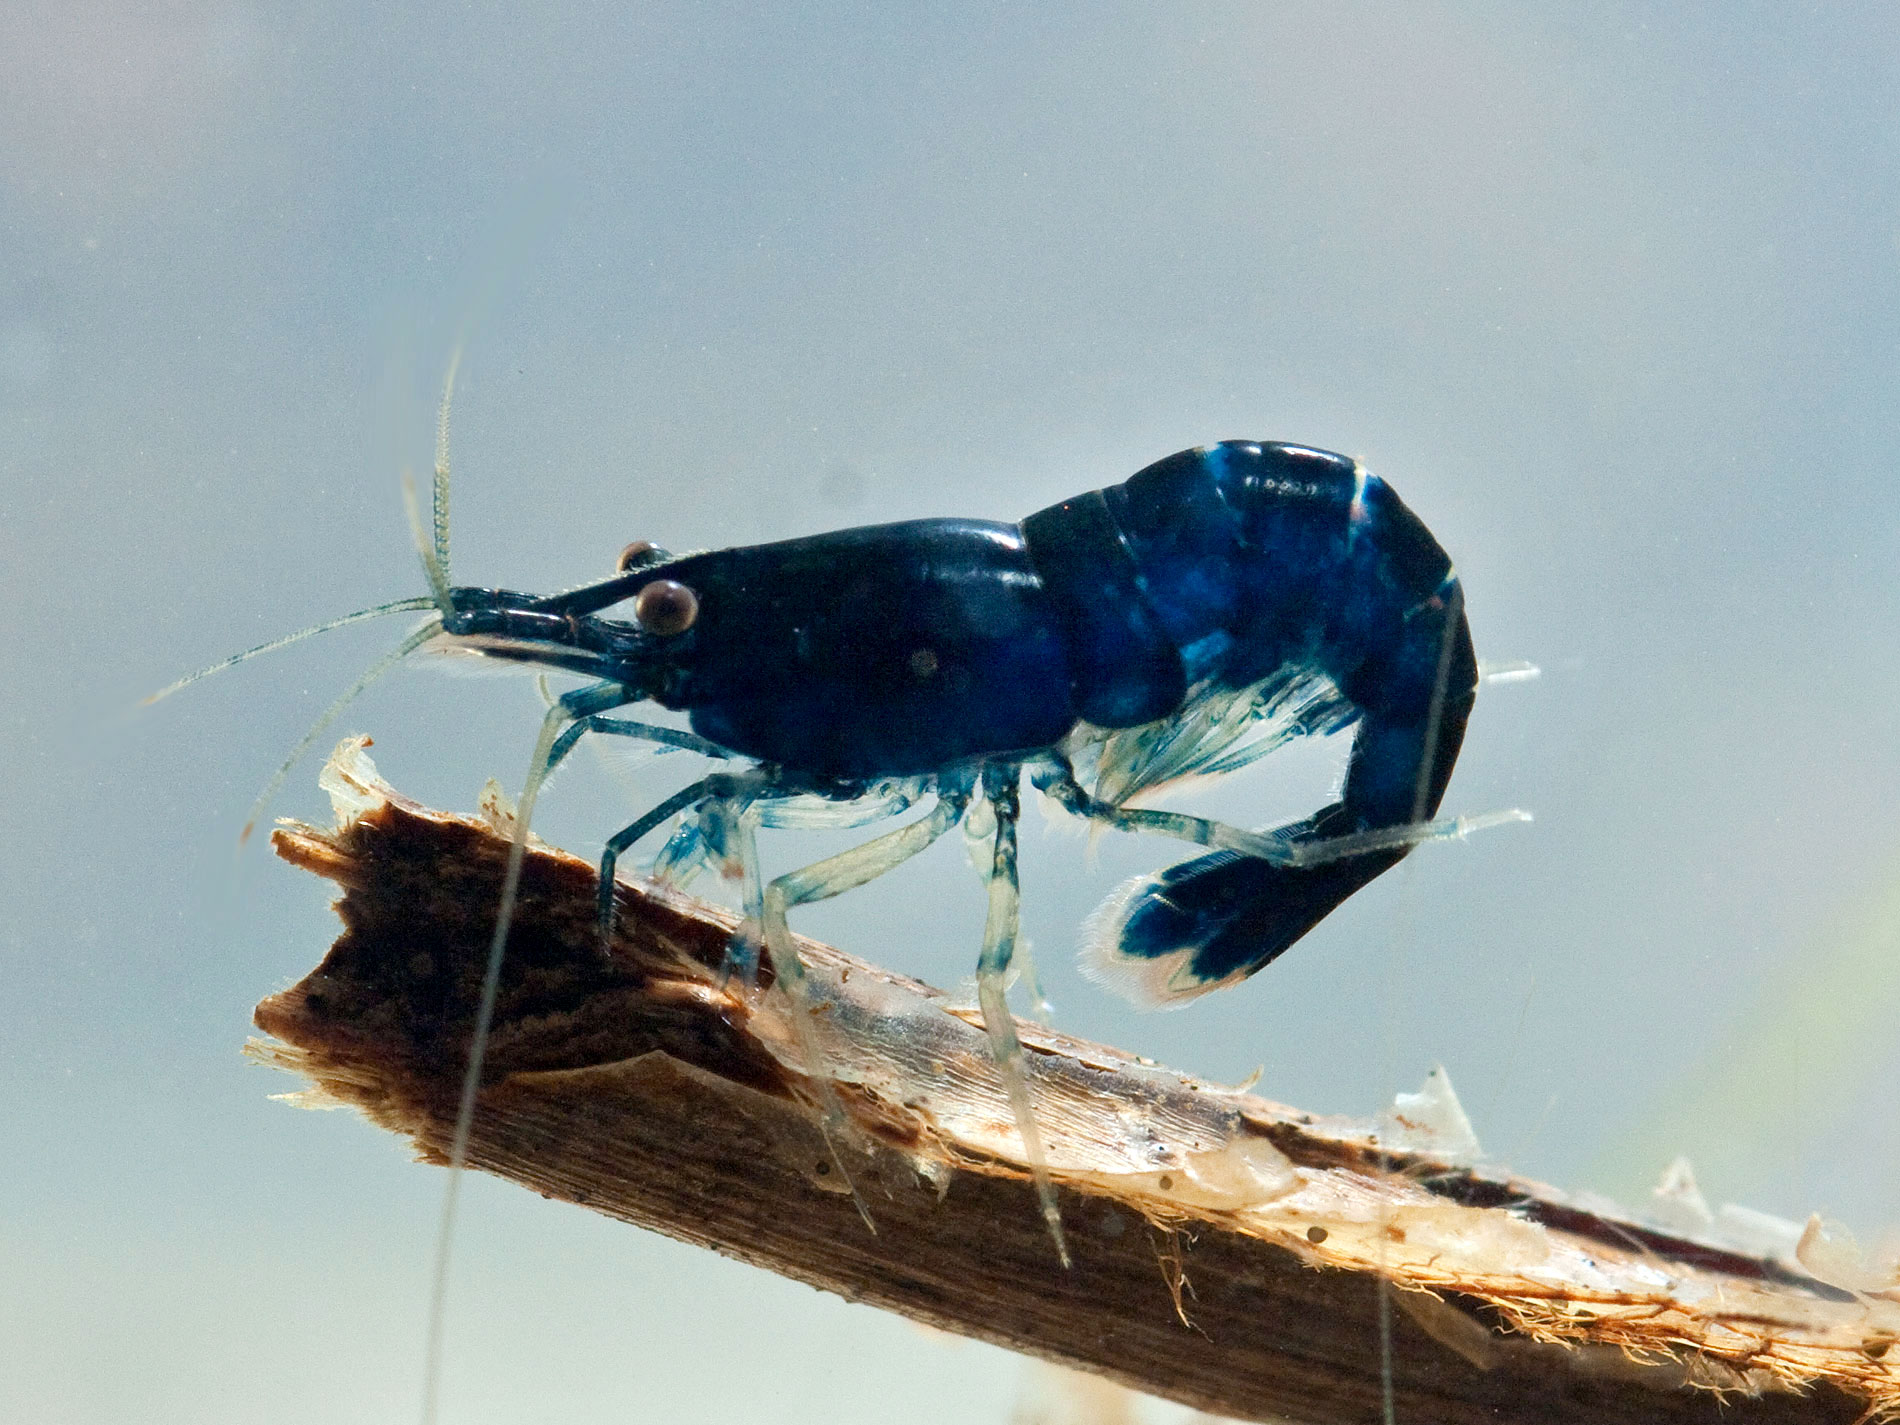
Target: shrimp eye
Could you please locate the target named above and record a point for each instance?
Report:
(633, 554)
(664, 608)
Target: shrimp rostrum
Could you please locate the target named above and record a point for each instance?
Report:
(1181, 623)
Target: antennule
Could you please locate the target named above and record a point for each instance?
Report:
(432, 568)
(439, 496)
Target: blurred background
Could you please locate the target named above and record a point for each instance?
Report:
(1607, 293)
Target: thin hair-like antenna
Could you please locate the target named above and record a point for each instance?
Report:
(538, 769)
(330, 714)
(414, 604)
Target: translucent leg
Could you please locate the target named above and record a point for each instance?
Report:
(1390, 838)
(683, 858)
(645, 732)
(1059, 782)
(992, 970)
(739, 841)
(704, 789)
(789, 979)
(642, 731)
(834, 876)
(861, 864)
(979, 830)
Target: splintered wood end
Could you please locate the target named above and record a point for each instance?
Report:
(1230, 1253)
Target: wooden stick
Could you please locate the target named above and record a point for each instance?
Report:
(1230, 1253)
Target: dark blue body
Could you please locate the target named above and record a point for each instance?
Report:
(891, 650)
(935, 646)
(1256, 558)
(905, 648)
(902, 649)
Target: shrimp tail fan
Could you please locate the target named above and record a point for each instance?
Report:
(1164, 939)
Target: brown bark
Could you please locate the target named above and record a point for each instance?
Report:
(1229, 1252)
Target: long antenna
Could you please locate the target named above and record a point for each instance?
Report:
(396, 606)
(382, 665)
(434, 550)
(538, 770)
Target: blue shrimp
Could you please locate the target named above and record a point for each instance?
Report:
(1183, 622)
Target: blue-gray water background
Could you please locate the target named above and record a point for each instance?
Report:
(1607, 293)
